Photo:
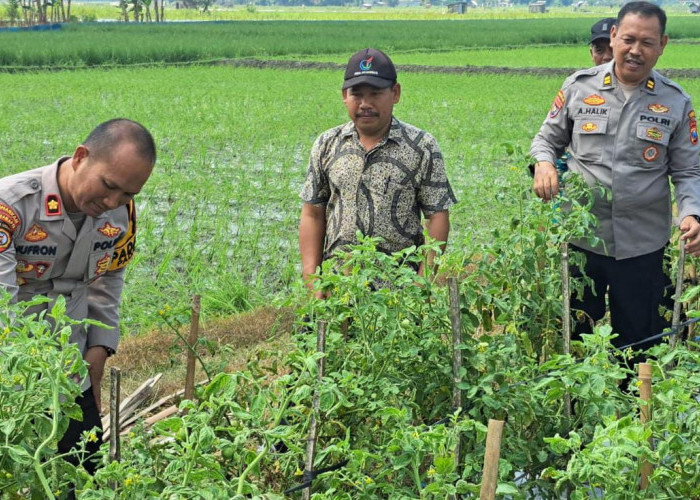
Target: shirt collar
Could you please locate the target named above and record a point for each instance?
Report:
(394, 134)
(610, 80)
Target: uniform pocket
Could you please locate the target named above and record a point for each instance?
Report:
(588, 138)
(98, 263)
(652, 142)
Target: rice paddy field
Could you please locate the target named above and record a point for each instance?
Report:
(219, 216)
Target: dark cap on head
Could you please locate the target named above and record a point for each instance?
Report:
(601, 29)
(370, 66)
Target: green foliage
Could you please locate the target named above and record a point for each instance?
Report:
(128, 43)
(39, 368)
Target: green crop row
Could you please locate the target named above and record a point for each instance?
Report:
(118, 43)
(676, 55)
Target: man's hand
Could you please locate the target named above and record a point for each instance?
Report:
(96, 357)
(690, 234)
(546, 183)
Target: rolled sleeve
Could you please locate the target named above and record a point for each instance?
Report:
(435, 192)
(316, 189)
(104, 299)
(684, 164)
(555, 133)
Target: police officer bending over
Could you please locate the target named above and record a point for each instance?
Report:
(69, 229)
(630, 129)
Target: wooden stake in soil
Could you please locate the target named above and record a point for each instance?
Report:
(313, 426)
(115, 376)
(191, 342)
(677, 299)
(489, 479)
(456, 321)
(645, 416)
(566, 314)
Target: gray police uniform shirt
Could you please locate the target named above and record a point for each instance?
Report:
(381, 192)
(42, 254)
(631, 148)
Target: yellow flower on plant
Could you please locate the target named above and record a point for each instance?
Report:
(92, 437)
(431, 472)
(369, 480)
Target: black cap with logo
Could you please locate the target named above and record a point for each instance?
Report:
(601, 29)
(370, 66)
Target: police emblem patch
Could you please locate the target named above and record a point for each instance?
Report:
(5, 239)
(9, 217)
(35, 233)
(594, 100)
(109, 230)
(657, 108)
(102, 265)
(693, 126)
(41, 268)
(558, 103)
(651, 153)
(53, 205)
(654, 133)
(23, 266)
(589, 127)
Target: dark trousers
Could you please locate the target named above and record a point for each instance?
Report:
(91, 419)
(636, 287)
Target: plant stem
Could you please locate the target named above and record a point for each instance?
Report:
(37, 454)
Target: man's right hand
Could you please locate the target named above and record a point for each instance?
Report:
(546, 183)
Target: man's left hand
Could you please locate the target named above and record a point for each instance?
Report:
(690, 234)
(96, 357)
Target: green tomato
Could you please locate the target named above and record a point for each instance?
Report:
(228, 452)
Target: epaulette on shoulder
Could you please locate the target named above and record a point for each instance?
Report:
(18, 186)
(670, 83)
(582, 74)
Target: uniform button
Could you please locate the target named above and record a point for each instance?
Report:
(34, 184)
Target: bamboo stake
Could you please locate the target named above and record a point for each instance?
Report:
(115, 376)
(313, 426)
(566, 314)
(489, 478)
(191, 341)
(456, 321)
(677, 298)
(645, 416)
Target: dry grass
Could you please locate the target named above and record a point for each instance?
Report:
(161, 351)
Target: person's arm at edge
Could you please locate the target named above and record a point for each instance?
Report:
(312, 234)
(438, 226)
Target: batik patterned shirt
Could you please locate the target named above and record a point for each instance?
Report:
(381, 192)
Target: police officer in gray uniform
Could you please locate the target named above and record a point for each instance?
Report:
(68, 229)
(627, 128)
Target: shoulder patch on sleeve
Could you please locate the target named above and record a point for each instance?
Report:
(9, 217)
(124, 249)
(5, 237)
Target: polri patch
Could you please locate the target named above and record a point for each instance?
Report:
(9, 217)
(558, 103)
(651, 153)
(35, 233)
(693, 126)
(658, 108)
(53, 205)
(589, 127)
(594, 100)
(109, 230)
(41, 268)
(5, 239)
(24, 267)
(654, 133)
(102, 265)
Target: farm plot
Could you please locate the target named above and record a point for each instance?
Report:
(220, 213)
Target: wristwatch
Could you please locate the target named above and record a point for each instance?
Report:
(696, 217)
(110, 351)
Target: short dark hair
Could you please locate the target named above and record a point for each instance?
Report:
(112, 133)
(644, 9)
